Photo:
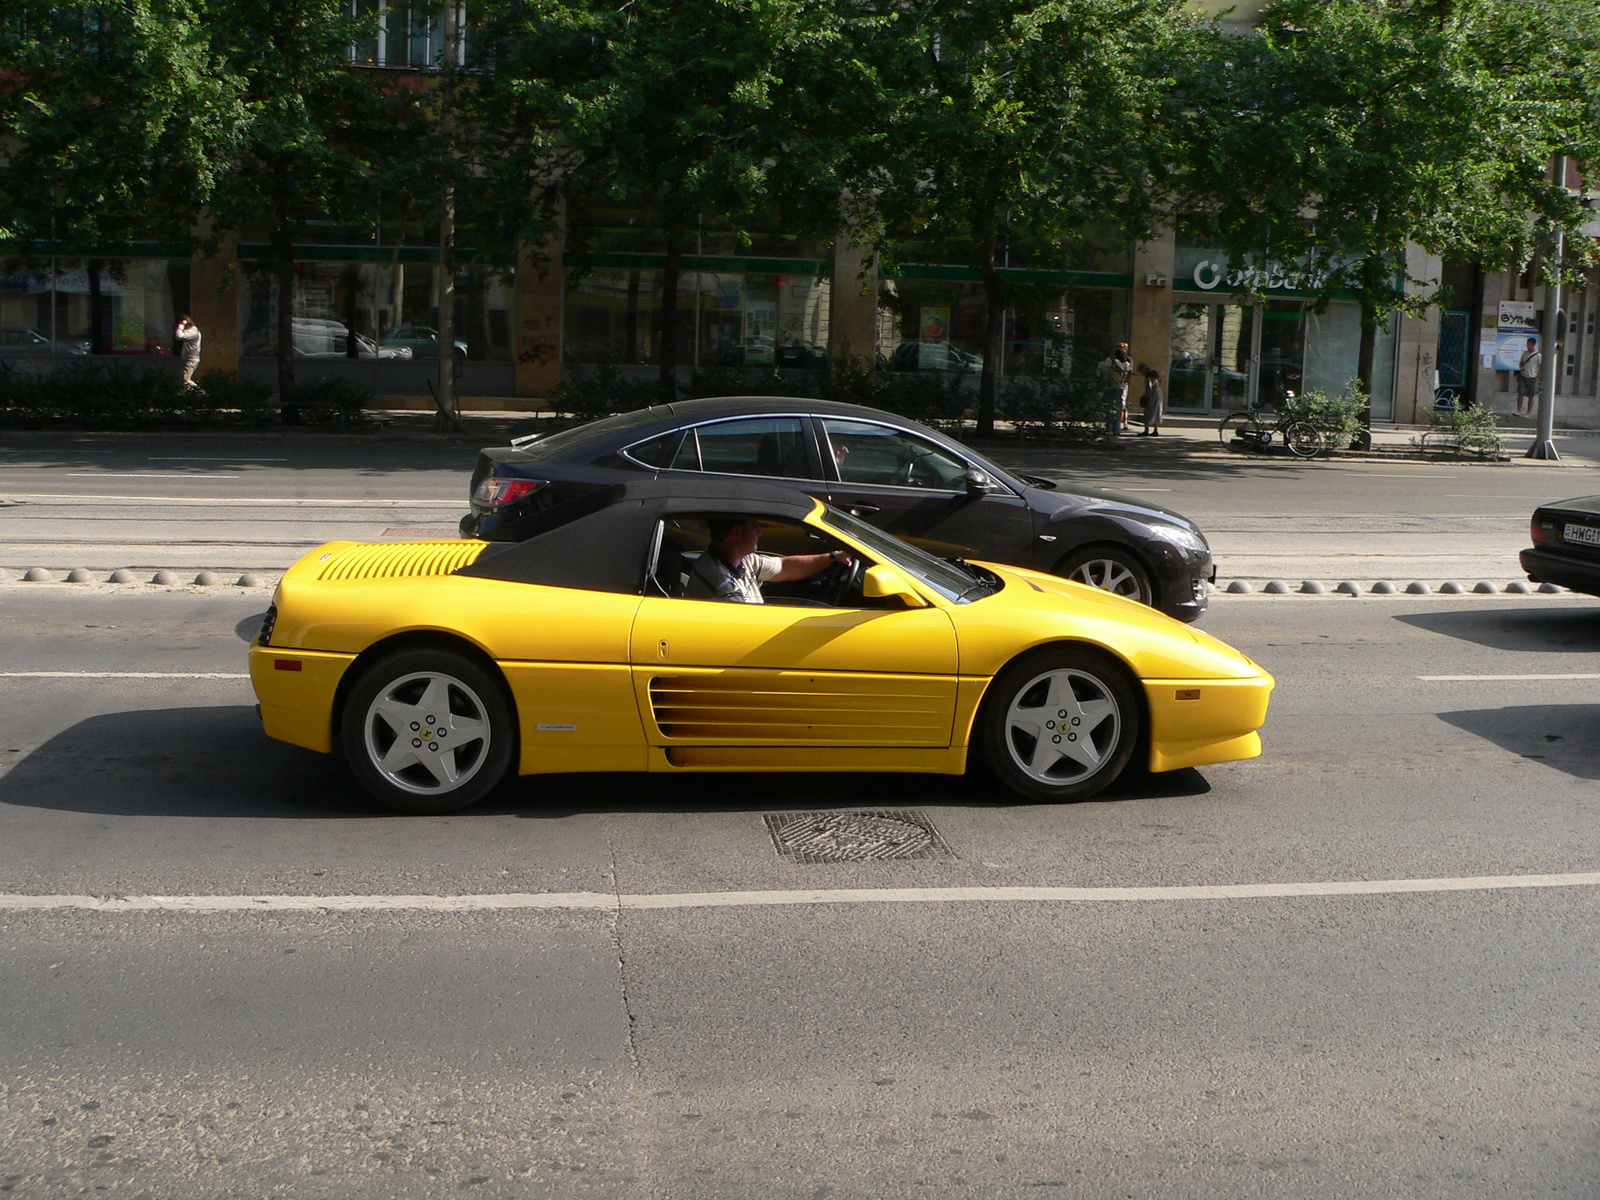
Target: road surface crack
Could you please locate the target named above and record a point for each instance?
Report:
(622, 963)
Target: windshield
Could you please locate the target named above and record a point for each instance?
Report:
(578, 435)
(953, 580)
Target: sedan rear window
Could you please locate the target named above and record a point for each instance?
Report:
(770, 446)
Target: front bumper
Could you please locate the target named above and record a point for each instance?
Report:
(1579, 574)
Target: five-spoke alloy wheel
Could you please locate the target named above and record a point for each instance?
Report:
(428, 731)
(1060, 723)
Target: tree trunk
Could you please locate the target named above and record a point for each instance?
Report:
(993, 336)
(98, 342)
(669, 323)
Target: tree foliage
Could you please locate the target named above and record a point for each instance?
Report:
(1015, 120)
(1346, 129)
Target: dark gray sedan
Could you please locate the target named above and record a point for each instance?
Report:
(1566, 545)
(901, 476)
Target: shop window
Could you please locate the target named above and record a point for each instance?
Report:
(379, 311)
(95, 305)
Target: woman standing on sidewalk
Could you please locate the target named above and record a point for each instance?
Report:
(1153, 401)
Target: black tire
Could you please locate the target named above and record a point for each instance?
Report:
(1303, 439)
(445, 690)
(1232, 425)
(1096, 682)
(1111, 569)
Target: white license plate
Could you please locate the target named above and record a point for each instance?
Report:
(1587, 534)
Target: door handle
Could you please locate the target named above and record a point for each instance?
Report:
(861, 510)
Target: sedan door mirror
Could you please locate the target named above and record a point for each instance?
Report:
(978, 483)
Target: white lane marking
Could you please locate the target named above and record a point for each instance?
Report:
(1128, 489)
(140, 475)
(421, 502)
(209, 458)
(1408, 475)
(506, 901)
(1502, 678)
(123, 675)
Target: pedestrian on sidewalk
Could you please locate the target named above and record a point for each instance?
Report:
(1153, 401)
(1114, 372)
(187, 335)
(1528, 378)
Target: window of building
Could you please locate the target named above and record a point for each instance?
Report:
(398, 34)
(81, 306)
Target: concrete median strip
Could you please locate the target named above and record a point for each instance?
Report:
(638, 902)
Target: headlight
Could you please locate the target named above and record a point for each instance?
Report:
(1181, 535)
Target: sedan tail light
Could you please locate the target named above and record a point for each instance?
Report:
(1536, 531)
(497, 493)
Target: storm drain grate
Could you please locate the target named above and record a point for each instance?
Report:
(874, 836)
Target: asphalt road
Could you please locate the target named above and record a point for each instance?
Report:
(1436, 1043)
(256, 503)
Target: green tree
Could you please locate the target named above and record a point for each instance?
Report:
(112, 119)
(695, 109)
(997, 121)
(1347, 129)
(314, 133)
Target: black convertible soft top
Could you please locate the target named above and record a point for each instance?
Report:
(604, 549)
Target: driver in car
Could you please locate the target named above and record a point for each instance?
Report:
(730, 569)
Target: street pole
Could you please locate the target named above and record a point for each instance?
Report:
(447, 235)
(1544, 446)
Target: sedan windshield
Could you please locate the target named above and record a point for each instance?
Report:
(953, 580)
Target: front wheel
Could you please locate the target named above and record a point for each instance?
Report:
(1060, 723)
(427, 731)
(1303, 439)
(1110, 570)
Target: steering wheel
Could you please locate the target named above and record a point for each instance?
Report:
(843, 580)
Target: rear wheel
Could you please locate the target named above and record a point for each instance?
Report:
(1060, 723)
(428, 731)
(1110, 570)
(1303, 439)
(1232, 425)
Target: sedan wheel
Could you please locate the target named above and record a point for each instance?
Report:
(427, 731)
(1060, 724)
(1110, 570)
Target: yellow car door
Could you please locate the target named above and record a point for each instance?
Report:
(714, 673)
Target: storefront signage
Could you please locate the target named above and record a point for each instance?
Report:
(1208, 270)
(933, 336)
(1518, 323)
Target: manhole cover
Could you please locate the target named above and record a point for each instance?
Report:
(822, 837)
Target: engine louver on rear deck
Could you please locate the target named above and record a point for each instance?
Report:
(400, 561)
(774, 708)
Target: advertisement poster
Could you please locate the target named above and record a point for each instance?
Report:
(1518, 322)
(933, 334)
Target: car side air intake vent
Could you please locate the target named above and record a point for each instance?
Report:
(400, 561)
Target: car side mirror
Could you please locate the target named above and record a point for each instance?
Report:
(881, 581)
(978, 483)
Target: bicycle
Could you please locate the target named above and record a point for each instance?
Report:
(1255, 428)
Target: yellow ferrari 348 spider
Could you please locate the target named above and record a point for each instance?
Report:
(439, 667)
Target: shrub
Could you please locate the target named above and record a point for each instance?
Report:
(586, 395)
(1476, 430)
(1071, 408)
(337, 401)
(114, 395)
(1339, 418)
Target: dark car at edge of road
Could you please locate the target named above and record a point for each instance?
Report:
(1566, 545)
(901, 476)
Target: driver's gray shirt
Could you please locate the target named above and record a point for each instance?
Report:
(712, 580)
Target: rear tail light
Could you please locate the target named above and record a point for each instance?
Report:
(1537, 532)
(497, 493)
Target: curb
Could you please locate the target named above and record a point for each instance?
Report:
(1385, 587)
(124, 578)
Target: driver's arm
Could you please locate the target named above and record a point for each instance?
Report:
(804, 566)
